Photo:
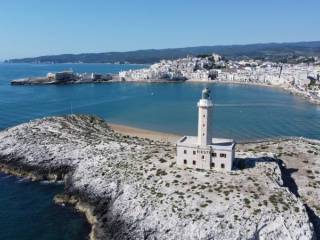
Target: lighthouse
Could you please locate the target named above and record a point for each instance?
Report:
(205, 107)
(204, 151)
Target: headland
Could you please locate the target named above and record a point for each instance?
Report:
(132, 188)
(65, 77)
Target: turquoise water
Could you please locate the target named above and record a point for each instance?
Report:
(241, 112)
(27, 212)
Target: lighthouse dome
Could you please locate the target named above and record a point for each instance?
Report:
(206, 93)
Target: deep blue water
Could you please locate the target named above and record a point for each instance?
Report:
(242, 112)
(27, 212)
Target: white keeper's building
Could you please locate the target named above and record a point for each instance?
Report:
(203, 151)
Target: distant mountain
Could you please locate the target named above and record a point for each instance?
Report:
(271, 51)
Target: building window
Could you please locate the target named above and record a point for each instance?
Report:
(185, 151)
(194, 162)
(203, 125)
(194, 152)
(212, 164)
(214, 154)
(204, 115)
(222, 165)
(203, 134)
(185, 161)
(223, 155)
(202, 156)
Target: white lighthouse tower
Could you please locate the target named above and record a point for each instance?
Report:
(203, 151)
(205, 106)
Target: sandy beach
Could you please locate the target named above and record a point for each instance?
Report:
(288, 89)
(143, 133)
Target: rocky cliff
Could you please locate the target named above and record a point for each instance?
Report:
(134, 190)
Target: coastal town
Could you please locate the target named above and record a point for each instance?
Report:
(300, 78)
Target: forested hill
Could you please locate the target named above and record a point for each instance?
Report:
(271, 51)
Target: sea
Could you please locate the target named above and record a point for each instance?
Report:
(241, 112)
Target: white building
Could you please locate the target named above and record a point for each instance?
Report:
(203, 151)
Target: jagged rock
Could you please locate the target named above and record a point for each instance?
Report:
(137, 192)
(302, 160)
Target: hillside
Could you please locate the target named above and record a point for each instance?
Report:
(272, 51)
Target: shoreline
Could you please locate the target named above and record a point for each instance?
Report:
(85, 209)
(173, 138)
(116, 79)
(82, 207)
(82, 203)
(73, 201)
(289, 90)
(144, 133)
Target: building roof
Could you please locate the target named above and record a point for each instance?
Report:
(217, 143)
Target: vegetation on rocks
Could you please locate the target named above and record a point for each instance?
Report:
(136, 191)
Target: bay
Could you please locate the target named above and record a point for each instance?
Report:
(240, 111)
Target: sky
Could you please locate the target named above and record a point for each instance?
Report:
(31, 28)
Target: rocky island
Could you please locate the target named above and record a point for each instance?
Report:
(64, 77)
(131, 188)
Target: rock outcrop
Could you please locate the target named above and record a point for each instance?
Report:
(301, 160)
(135, 190)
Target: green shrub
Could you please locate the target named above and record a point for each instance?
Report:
(161, 172)
(256, 211)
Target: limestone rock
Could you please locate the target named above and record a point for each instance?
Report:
(137, 192)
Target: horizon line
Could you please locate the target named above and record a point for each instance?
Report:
(168, 48)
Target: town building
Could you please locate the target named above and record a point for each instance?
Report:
(203, 151)
(65, 76)
(62, 76)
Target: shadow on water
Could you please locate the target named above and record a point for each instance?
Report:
(288, 182)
